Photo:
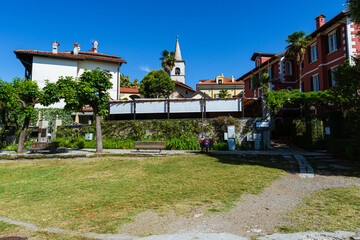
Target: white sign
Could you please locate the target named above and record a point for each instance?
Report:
(225, 136)
(231, 132)
(263, 124)
(88, 136)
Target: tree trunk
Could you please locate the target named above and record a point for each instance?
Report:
(22, 136)
(299, 75)
(99, 143)
(3, 126)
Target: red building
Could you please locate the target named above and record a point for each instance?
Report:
(333, 43)
(281, 72)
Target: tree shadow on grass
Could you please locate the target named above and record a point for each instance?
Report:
(269, 161)
(325, 166)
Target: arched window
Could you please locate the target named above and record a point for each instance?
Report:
(288, 68)
(258, 62)
(177, 71)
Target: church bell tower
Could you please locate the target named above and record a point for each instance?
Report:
(178, 72)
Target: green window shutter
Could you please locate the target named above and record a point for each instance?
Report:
(326, 41)
(338, 38)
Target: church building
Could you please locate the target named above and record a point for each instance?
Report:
(178, 72)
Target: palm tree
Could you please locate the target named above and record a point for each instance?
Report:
(223, 93)
(298, 42)
(168, 61)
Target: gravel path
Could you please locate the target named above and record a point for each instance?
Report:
(254, 215)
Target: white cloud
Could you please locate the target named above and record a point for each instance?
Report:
(145, 68)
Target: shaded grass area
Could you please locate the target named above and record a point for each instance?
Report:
(339, 167)
(100, 194)
(327, 210)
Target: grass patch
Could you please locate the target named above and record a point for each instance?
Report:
(327, 210)
(7, 230)
(100, 194)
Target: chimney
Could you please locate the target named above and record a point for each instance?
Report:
(76, 48)
(232, 78)
(222, 74)
(96, 44)
(320, 21)
(55, 47)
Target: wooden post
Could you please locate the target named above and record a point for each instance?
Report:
(168, 108)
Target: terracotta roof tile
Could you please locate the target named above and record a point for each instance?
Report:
(227, 81)
(180, 84)
(80, 56)
(129, 90)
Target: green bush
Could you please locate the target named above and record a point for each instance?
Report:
(183, 143)
(344, 148)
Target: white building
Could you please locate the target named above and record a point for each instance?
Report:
(50, 65)
(178, 72)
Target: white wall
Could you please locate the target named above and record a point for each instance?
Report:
(45, 68)
(112, 67)
(181, 77)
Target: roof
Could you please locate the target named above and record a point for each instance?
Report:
(277, 56)
(227, 81)
(180, 84)
(177, 50)
(335, 19)
(257, 54)
(129, 90)
(81, 56)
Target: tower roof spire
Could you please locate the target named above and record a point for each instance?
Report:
(177, 50)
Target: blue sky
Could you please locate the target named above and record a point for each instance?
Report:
(215, 36)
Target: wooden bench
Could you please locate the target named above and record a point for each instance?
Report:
(149, 145)
(44, 147)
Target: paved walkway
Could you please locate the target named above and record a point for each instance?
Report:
(92, 152)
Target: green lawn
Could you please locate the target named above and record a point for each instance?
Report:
(327, 210)
(100, 194)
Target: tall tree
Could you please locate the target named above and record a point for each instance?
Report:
(27, 93)
(167, 61)
(124, 81)
(354, 6)
(298, 42)
(156, 84)
(91, 89)
(135, 84)
(7, 104)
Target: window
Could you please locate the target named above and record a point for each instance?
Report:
(313, 53)
(288, 68)
(302, 65)
(251, 84)
(315, 83)
(229, 95)
(177, 71)
(270, 71)
(332, 42)
(332, 82)
(258, 62)
(220, 81)
(217, 96)
(302, 87)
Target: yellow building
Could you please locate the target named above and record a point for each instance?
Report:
(213, 87)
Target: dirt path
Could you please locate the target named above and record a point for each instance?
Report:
(255, 214)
